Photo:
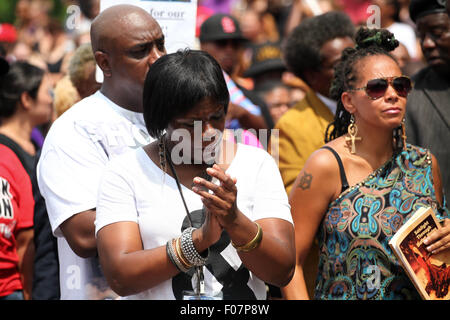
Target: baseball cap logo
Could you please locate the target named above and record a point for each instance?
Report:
(267, 53)
(228, 25)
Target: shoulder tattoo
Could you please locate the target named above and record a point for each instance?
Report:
(305, 181)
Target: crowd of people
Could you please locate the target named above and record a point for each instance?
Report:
(273, 160)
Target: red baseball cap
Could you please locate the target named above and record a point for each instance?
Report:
(220, 27)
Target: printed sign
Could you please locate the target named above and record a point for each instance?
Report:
(176, 18)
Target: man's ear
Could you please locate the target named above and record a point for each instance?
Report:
(102, 60)
(347, 101)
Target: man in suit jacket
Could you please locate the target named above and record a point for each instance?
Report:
(428, 108)
(312, 50)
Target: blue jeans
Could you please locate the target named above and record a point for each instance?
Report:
(16, 295)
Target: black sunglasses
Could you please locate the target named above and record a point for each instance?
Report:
(376, 88)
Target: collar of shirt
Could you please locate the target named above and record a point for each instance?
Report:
(331, 104)
(136, 118)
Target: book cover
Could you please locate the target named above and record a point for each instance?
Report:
(429, 273)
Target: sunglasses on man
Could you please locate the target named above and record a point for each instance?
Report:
(376, 88)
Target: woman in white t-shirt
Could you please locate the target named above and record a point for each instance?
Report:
(238, 233)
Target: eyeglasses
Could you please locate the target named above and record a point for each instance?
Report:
(376, 88)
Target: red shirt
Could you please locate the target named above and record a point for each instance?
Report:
(16, 213)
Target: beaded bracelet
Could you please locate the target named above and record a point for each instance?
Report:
(188, 249)
(252, 244)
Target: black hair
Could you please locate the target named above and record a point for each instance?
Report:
(87, 7)
(397, 8)
(369, 42)
(176, 83)
(21, 77)
(302, 47)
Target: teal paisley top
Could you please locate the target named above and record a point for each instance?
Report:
(355, 260)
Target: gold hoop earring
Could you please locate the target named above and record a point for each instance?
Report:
(352, 131)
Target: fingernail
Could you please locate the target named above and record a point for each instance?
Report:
(209, 170)
(197, 180)
(426, 241)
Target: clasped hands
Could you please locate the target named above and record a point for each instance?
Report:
(221, 208)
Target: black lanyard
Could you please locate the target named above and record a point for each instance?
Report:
(198, 270)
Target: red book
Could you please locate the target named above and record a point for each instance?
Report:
(429, 273)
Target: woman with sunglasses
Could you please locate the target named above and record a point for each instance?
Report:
(355, 192)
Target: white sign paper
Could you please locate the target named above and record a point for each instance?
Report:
(177, 19)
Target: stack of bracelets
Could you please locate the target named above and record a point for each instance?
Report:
(184, 256)
(182, 252)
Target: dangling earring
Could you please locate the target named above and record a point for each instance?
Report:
(403, 134)
(352, 132)
(162, 155)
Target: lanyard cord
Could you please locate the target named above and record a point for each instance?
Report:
(209, 178)
(198, 270)
(178, 185)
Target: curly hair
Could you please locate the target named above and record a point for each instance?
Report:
(302, 47)
(369, 42)
(77, 65)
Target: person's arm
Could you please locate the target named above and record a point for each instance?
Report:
(242, 108)
(68, 176)
(25, 251)
(439, 240)
(273, 260)
(311, 194)
(294, 18)
(128, 268)
(79, 231)
(246, 119)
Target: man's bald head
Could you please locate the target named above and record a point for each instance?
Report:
(115, 21)
(126, 40)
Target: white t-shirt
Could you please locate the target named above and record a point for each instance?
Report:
(78, 146)
(405, 34)
(135, 189)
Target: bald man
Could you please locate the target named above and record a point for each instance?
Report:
(126, 41)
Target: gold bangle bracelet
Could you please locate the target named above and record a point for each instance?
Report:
(180, 254)
(252, 244)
